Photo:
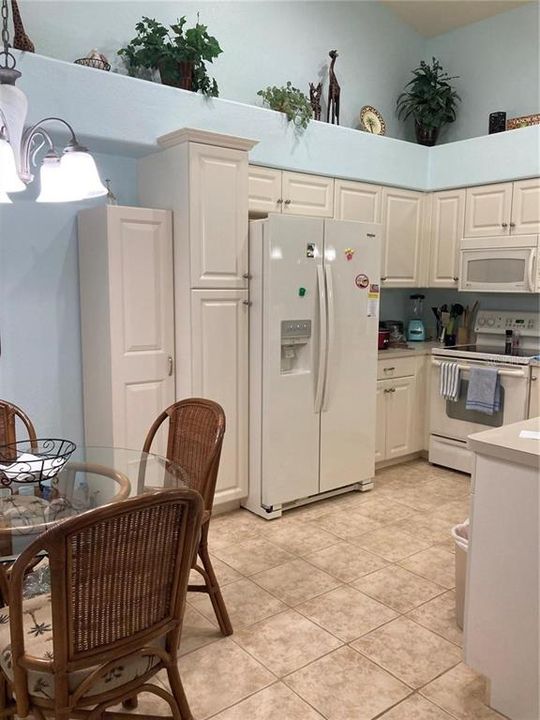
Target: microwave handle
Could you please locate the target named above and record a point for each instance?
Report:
(530, 269)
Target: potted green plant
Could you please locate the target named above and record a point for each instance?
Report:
(179, 54)
(430, 100)
(289, 100)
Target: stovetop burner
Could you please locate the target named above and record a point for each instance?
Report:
(491, 350)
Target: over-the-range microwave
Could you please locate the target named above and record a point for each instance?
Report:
(500, 264)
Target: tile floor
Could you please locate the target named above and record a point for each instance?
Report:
(342, 610)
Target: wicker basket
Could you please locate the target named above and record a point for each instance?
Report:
(94, 63)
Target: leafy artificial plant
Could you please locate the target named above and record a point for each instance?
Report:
(156, 47)
(289, 100)
(430, 99)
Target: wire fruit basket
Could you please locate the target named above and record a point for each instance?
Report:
(33, 462)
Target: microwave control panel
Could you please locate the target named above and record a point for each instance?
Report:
(498, 321)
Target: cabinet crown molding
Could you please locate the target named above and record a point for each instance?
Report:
(205, 137)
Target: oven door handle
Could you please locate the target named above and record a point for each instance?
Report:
(506, 373)
(532, 258)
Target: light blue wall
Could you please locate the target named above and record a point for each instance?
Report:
(499, 67)
(40, 363)
(264, 43)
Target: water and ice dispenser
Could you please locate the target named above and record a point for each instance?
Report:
(295, 339)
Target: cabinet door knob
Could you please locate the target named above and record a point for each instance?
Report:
(383, 279)
(455, 279)
(504, 224)
(512, 224)
(170, 362)
(247, 302)
(279, 201)
(246, 276)
(287, 202)
(389, 369)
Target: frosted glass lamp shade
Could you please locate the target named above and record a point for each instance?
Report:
(9, 176)
(80, 167)
(4, 199)
(55, 182)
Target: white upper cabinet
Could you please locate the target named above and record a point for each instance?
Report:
(218, 190)
(264, 190)
(307, 195)
(525, 218)
(357, 201)
(403, 257)
(488, 210)
(447, 218)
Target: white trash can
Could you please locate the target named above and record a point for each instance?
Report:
(460, 533)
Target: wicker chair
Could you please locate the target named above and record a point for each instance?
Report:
(8, 417)
(196, 430)
(119, 576)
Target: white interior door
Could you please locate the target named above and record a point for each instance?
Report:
(142, 321)
(352, 266)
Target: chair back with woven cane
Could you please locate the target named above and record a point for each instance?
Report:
(119, 577)
(195, 438)
(9, 414)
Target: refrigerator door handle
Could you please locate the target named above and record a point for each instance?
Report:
(321, 374)
(331, 333)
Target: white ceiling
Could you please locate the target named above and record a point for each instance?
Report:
(433, 17)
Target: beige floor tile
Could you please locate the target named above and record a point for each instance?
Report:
(450, 483)
(234, 527)
(224, 573)
(346, 524)
(276, 702)
(410, 652)
(439, 615)
(295, 581)
(219, 675)
(286, 642)
(346, 613)
(461, 692)
(398, 588)
(426, 526)
(416, 707)
(421, 498)
(345, 685)
(392, 543)
(253, 556)
(382, 509)
(296, 537)
(148, 704)
(454, 511)
(246, 602)
(435, 563)
(345, 561)
(197, 631)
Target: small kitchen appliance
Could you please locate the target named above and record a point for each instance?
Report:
(416, 331)
(396, 330)
(384, 338)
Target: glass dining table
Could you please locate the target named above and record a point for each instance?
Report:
(92, 477)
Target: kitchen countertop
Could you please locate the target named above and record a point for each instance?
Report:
(504, 443)
(413, 349)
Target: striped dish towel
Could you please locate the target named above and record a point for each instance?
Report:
(449, 381)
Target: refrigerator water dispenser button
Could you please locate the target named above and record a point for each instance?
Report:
(295, 338)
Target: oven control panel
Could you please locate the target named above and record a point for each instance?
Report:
(498, 321)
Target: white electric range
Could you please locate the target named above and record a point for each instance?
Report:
(450, 422)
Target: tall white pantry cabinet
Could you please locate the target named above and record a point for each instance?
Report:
(203, 178)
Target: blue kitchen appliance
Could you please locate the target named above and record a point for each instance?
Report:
(416, 331)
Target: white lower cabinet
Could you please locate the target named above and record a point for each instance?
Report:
(400, 409)
(219, 327)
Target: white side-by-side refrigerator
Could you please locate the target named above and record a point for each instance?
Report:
(314, 294)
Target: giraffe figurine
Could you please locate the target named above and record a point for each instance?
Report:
(21, 41)
(334, 91)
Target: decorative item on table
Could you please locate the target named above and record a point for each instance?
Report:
(430, 100)
(497, 122)
(524, 121)
(21, 41)
(180, 57)
(95, 60)
(69, 177)
(33, 462)
(111, 197)
(315, 92)
(372, 121)
(334, 91)
(289, 100)
(416, 331)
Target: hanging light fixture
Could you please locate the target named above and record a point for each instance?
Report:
(71, 176)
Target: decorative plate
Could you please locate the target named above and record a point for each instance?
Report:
(372, 121)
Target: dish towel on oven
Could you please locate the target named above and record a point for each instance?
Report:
(449, 381)
(484, 393)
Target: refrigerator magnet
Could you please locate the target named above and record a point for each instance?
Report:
(361, 281)
(349, 253)
(310, 250)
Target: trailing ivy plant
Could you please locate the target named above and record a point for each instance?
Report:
(179, 54)
(289, 100)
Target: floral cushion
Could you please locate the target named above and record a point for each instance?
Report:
(18, 511)
(37, 626)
